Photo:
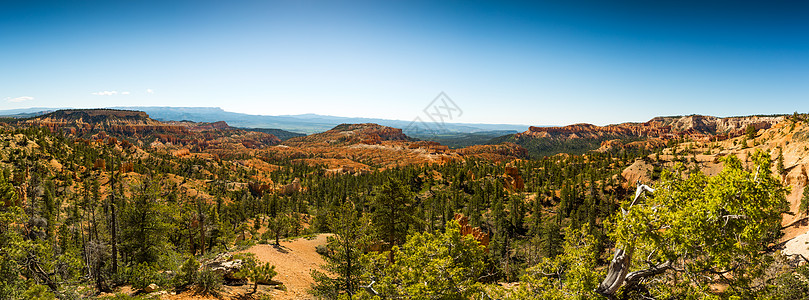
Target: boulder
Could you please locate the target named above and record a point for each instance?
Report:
(227, 267)
(151, 288)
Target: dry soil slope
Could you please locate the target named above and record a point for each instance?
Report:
(293, 261)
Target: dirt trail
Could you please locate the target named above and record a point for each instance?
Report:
(293, 261)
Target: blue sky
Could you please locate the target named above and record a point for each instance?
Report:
(536, 63)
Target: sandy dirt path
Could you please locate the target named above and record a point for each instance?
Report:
(293, 261)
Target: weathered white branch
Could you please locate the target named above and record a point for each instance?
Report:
(619, 266)
(636, 276)
(639, 192)
(728, 217)
(370, 289)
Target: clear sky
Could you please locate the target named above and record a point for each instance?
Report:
(536, 63)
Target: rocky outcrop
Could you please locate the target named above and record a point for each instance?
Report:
(226, 266)
(430, 146)
(350, 134)
(151, 288)
(293, 187)
(648, 144)
(475, 232)
(510, 149)
(513, 179)
(81, 121)
(181, 153)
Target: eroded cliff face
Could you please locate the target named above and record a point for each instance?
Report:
(345, 148)
(86, 121)
(499, 152)
(137, 124)
(695, 127)
(357, 147)
(349, 134)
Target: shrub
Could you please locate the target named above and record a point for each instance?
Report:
(143, 274)
(38, 292)
(265, 297)
(263, 272)
(790, 285)
(322, 250)
(805, 200)
(209, 283)
(188, 272)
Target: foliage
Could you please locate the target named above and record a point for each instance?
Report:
(789, 285)
(38, 292)
(145, 274)
(804, 207)
(394, 212)
(145, 224)
(570, 275)
(455, 140)
(750, 132)
(11, 242)
(254, 270)
(346, 248)
(430, 266)
(260, 272)
(81, 221)
(539, 147)
(714, 230)
(188, 271)
(208, 282)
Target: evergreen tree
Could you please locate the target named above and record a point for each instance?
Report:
(780, 163)
(344, 250)
(430, 266)
(145, 228)
(394, 211)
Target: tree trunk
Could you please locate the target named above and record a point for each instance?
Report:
(619, 266)
(114, 241)
(114, 225)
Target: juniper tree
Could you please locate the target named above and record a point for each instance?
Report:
(696, 231)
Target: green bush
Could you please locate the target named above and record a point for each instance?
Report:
(263, 272)
(142, 275)
(38, 292)
(209, 283)
(805, 200)
(122, 296)
(790, 285)
(265, 297)
(322, 250)
(188, 272)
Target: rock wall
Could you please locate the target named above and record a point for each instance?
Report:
(695, 126)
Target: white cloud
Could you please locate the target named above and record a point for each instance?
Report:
(124, 93)
(20, 99)
(149, 91)
(105, 93)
